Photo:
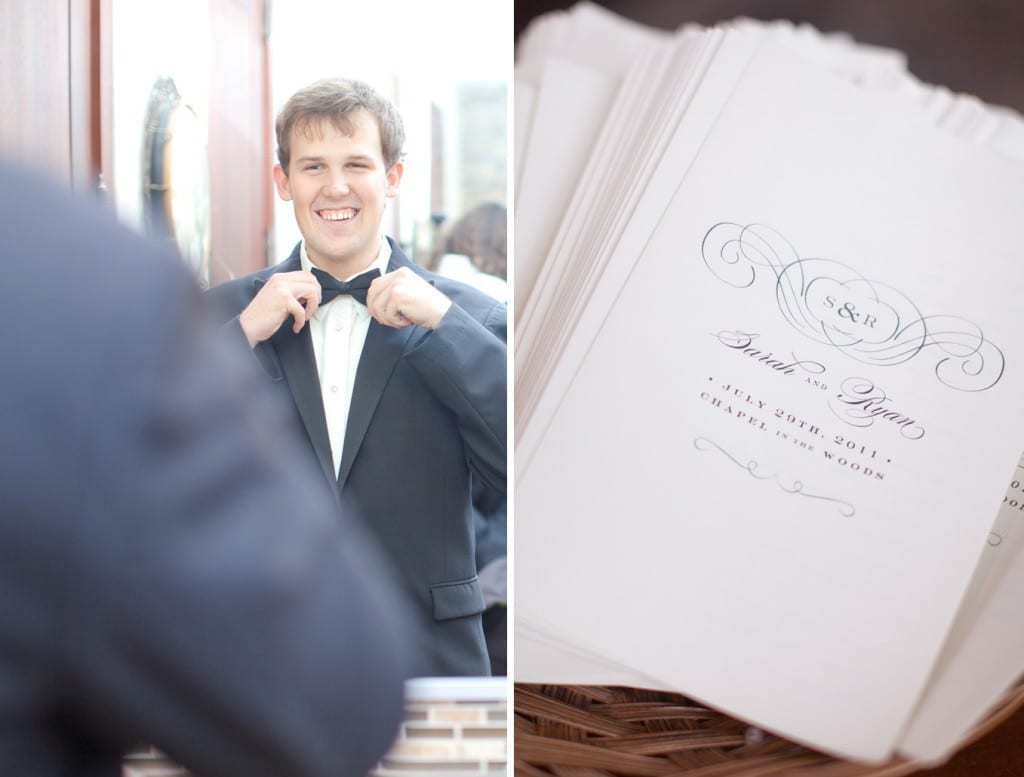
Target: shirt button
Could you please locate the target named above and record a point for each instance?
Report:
(338, 328)
(334, 389)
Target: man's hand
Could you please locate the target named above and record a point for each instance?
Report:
(295, 294)
(401, 298)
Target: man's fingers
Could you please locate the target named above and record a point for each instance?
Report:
(298, 312)
(386, 310)
(377, 298)
(311, 302)
(377, 287)
(284, 295)
(398, 320)
(401, 298)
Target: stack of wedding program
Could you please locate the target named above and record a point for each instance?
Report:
(769, 380)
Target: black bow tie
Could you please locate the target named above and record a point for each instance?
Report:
(356, 288)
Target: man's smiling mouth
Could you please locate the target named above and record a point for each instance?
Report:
(342, 214)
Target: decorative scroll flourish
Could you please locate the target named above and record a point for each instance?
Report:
(835, 305)
(753, 469)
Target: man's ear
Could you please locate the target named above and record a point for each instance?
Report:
(394, 176)
(284, 190)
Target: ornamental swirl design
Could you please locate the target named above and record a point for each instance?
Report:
(833, 304)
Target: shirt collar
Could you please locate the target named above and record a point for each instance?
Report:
(381, 262)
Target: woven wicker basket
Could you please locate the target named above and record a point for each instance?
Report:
(603, 731)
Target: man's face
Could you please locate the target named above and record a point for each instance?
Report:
(338, 186)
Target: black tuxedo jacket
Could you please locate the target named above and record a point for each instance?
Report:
(428, 412)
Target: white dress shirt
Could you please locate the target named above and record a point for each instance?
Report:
(338, 330)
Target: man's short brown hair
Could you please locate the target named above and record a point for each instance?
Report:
(334, 100)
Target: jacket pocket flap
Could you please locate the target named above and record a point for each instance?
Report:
(457, 599)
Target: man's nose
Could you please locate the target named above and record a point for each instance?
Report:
(337, 184)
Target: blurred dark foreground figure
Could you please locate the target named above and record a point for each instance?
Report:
(167, 574)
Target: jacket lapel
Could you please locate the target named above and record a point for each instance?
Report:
(298, 365)
(383, 348)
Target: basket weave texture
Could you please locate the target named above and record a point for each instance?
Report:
(606, 731)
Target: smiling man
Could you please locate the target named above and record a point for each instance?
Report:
(397, 376)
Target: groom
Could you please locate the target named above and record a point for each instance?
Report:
(397, 376)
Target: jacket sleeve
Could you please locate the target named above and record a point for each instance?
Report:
(464, 361)
(223, 306)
